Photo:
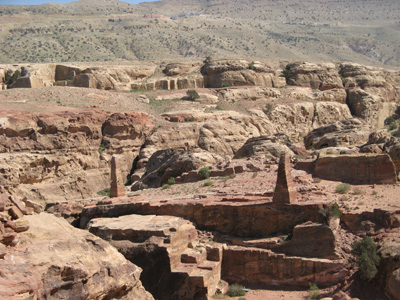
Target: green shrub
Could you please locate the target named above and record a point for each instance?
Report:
(235, 290)
(317, 180)
(226, 84)
(366, 257)
(105, 192)
(166, 186)
(171, 181)
(343, 188)
(331, 212)
(208, 183)
(313, 291)
(204, 173)
(11, 78)
(252, 65)
(102, 148)
(242, 298)
(189, 119)
(192, 95)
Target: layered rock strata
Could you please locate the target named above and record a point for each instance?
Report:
(59, 261)
(174, 265)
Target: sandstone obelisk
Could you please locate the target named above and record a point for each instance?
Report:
(285, 191)
(117, 185)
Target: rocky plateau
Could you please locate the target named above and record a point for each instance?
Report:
(174, 180)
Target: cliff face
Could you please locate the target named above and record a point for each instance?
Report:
(55, 260)
(65, 155)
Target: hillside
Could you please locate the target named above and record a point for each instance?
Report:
(366, 32)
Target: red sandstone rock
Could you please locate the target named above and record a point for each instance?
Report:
(15, 212)
(285, 191)
(59, 261)
(361, 168)
(117, 185)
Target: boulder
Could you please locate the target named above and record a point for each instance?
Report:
(168, 163)
(264, 145)
(340, 133)
(82, 265)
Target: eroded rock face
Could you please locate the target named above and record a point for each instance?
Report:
(65, 155)
(218, 73)
(340, 133)
(371, 92)
(168, 163)
(252, 266)
(159, 244)
(358, 168)
(265, 145)
(71, 265)
(317, 76)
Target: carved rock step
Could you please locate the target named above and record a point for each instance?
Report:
(192, 256)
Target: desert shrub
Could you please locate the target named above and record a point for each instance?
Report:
(331, 212)
(204, 173)
(226, 84)
(358, 191)
(11, 78)
(105, 192)
(235, 290)
(343, 188)
(102, 148)
(313, 291)
(166, 186)
(242, 298)
(192, 95)
(252, 65)
(366, 257)
(317, 180)
(208, 183)
(171, 181)
(189, 119)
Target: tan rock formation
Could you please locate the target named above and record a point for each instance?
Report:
(371, 92)
(64, 155)
(159, 244)
(238, 72)
(340, 133)
(59, 261)
(285, 191)
(358, 169)
(317, 76)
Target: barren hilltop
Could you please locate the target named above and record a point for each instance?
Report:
(334, 30)
(186, 150)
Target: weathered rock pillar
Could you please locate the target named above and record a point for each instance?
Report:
(117, 184)
(285, 191)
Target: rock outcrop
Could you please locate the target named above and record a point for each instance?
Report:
(340, 133)
(219, 73)
(264, 145)
(59, 261)
(175, 265)
(371, 92)
(258, 267)
(65, 155)
(357, 169)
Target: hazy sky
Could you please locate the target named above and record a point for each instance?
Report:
(38, 2)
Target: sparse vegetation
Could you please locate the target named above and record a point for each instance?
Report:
(313, 292)
(105, 192)
(11, 77)
(208, 183)
(166, 186)
(235, 290)
(192, 95)
(102, 148)
(171, 181)
(204, 173)
(332, 211)
(343, 188)
(317, 180)
(366, 257)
